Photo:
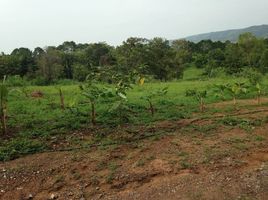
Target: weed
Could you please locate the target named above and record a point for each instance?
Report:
(240, 146)
(183, 154)
(259, 138)
(113, 166)
(101, 165)
(59, 179)
(185, 164)
(140, 163)
(110, 177)
(17, 147)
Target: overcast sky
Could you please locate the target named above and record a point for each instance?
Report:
(31, 23)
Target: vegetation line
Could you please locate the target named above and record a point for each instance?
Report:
(143, 137)
(100, 144)
(231, 115)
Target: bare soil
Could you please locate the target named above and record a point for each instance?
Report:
(195, 159)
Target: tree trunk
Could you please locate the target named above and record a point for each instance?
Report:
(202, 107)
(151, 108)
(62, 105)
(93, 114)
(259, 99)
(234, 101)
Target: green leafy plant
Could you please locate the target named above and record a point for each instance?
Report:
(199, 95)
(255, 79)
(220, 91)
(150, 96)
(258, 89)
(62, 102)
(93, 92)
(3, 105)
(121, 107)
(235, 90)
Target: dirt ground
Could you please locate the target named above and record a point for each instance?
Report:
(195, 159)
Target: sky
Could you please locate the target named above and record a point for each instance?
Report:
(32, 23)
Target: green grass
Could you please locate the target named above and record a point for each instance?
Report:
(33, 122)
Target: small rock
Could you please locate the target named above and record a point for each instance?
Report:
(2, 191)
(70, 194)
(53, 196)
(30, 196)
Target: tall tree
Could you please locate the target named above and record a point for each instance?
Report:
(26, 60)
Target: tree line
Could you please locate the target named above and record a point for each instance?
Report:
(158, 58)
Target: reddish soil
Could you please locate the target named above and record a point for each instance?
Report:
(190, 161)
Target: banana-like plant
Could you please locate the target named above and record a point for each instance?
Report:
(93, 92)
(62, 102)
(149, 97)
(3, 105)
(199, 95)
(219, 90)
(258, 90)
(235, 90)
(121, 106)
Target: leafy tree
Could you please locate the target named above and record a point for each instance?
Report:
(50, 64)
(247, 43)
(80, 72)
(253, 75)
(161, 60)
(67, 47)
(183, 49)
(9, 65)
(200, 60)
(233, 59)
(98, 54)
(264, 61)
(26, 60)
(132, 54)
(67, 61)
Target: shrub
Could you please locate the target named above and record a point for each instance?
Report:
(18, 147)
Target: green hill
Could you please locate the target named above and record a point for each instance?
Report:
(232, 35)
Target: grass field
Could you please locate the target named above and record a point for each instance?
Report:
(143, 157)
(34, 121)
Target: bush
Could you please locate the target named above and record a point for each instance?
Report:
(17, 147)
(40, 81)
(80, 72)
(65, 82)
(253, 75)
(16, 81)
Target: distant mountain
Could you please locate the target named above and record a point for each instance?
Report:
(232, 35)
